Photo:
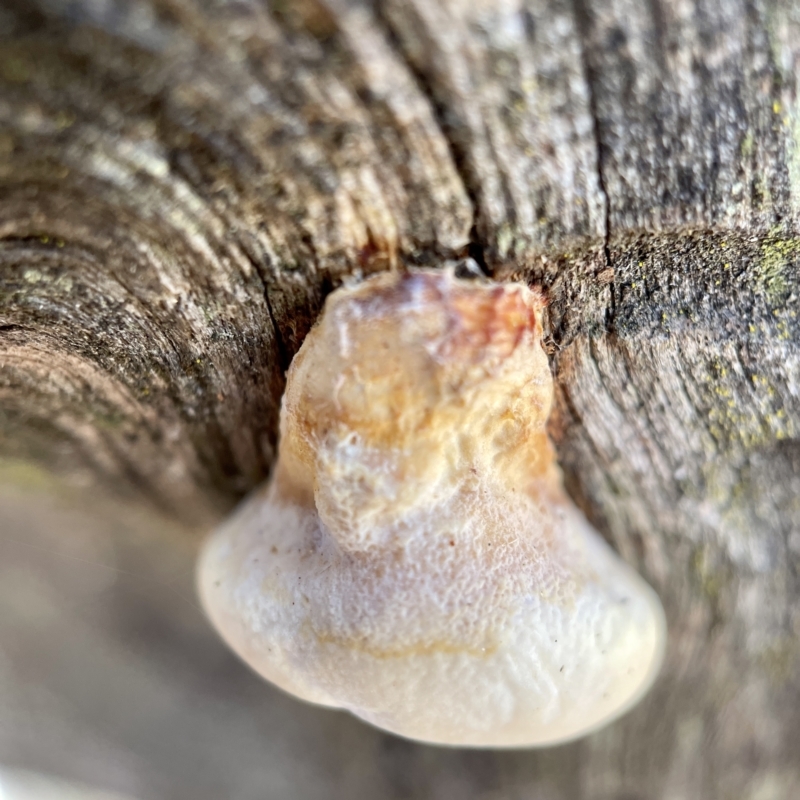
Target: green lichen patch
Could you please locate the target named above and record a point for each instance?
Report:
(771, 273)
(712, 576)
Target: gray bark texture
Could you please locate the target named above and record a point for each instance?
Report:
(183, 181)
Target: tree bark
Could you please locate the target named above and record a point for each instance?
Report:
(183, 182)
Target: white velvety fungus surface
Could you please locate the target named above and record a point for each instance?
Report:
(415, 559)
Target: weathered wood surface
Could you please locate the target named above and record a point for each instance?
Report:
(181, 183)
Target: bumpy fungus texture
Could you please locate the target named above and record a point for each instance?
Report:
(415, 559)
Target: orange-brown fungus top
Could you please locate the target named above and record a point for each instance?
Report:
(412, 387)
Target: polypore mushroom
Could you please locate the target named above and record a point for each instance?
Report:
(415, 559)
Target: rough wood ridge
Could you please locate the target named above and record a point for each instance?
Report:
(182, 182)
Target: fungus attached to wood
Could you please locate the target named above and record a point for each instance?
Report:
(414, 558)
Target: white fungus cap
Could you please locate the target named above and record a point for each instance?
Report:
(414, 559)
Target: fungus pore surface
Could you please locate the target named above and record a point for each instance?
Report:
(415, 559)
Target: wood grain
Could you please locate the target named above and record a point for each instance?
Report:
(182, 183)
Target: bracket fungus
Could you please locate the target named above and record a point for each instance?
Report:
(415, 559)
